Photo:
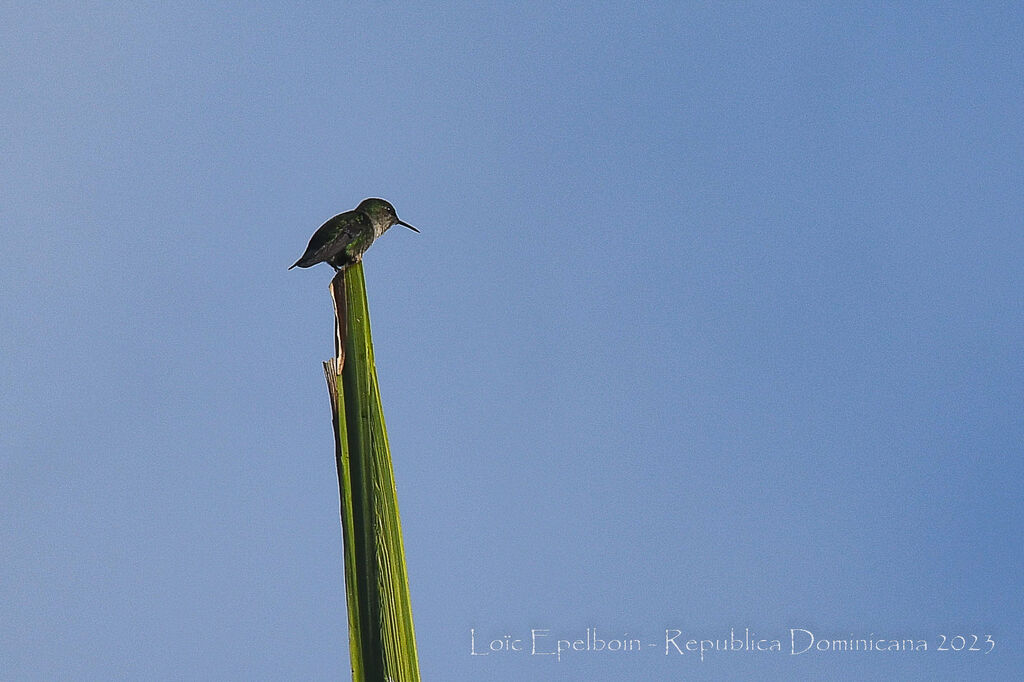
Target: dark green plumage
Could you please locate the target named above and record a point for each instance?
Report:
(343, 239)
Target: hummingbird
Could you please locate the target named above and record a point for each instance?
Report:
(343, 239)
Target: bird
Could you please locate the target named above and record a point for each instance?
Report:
(342, 240)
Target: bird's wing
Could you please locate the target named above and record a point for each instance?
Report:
(333, 236)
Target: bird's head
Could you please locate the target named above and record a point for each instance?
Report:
(382, 213)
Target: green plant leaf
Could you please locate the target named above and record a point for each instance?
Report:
(382, 642)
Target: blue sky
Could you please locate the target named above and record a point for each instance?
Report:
(715, 322)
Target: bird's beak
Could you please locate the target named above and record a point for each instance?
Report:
(407, 225)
